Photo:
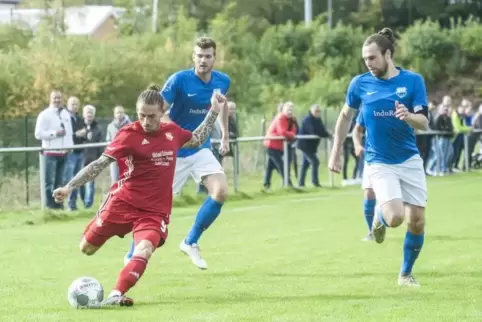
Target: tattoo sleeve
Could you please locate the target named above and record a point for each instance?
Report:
(89, 172)
(202, 132)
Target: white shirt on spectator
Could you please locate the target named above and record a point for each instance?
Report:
(49, 121)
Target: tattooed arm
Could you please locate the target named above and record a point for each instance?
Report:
(203, 131)
(90, 172)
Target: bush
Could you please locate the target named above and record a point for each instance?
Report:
(266, 63)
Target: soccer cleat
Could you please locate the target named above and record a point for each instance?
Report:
(368, 237)
(378, 230)
(194, 252)
(117, 300)
(408, 281)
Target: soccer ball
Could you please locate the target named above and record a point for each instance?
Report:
(85, 293)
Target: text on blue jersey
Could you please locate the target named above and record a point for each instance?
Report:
(389, 140)
(190, 100)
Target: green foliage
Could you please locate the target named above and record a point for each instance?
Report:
(267, 63)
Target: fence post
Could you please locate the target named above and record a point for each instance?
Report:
(330, 174)
(235, 166)
(438, 154)
(27, 190)
(286, 164)
(42, 165)
(466, 152)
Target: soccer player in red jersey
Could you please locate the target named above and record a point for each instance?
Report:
(141, 200)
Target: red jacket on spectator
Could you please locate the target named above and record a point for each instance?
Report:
(281, 126)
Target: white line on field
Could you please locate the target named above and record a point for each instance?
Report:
(295, 199)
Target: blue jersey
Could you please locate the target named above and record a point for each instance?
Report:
(190, 100)
(388, 139)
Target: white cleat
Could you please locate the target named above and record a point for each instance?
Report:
(116, 299)
(408, 281)
(378, 230)
(368, 237)
(194, 252)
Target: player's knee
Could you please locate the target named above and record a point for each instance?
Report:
(416, 220)
(369, 194)
(144, 249)
(217, 186)
(394, 213)
(87, 248)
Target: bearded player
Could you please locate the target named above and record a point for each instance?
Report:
(188, 94)
(393, 102)
(141, 200)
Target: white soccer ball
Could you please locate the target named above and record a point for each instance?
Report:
(85, 292)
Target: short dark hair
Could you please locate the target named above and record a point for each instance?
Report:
(151, 96)
(206, 43)
(384, 39)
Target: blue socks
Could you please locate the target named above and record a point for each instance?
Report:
(411, 248)
(131, 251)
(207, 214)
(369, 211)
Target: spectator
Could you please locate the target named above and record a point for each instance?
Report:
(282, 125)
(472, 137)
(75, 158)
(349, 150)
(477, 126)
(232, 127)
(432, 140)
(443, 123)
(460, 129)
(94, 135)
(424, 141)
(120, 119)
(311, 125)
(54, 129)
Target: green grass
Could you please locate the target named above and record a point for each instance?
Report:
(294, 257)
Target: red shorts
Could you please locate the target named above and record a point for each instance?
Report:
(118, 218)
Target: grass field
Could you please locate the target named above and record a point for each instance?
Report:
(296, 257)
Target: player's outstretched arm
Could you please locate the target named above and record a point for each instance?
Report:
(89, 172)
(203, 131)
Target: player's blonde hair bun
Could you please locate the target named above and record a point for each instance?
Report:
(154, 87)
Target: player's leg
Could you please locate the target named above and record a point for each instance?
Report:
(414, 191)
(389, 211)
(369, 202)
(210, 171)
(149, 233)
(181, 174)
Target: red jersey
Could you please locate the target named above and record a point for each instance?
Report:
(146, 162)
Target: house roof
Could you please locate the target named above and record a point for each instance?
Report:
(78, 20)
(9, 1)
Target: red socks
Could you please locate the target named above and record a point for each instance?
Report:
(130, 274)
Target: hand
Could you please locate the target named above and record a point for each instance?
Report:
(60, 133)
(334, 164)
(224, 147)
(401, 112)
(217, 102)
(359, 150)
(61, 193)
(81, 133)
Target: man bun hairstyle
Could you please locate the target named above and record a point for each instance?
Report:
(151, 96)
(384, 39)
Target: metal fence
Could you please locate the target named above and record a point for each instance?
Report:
(237, 153)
